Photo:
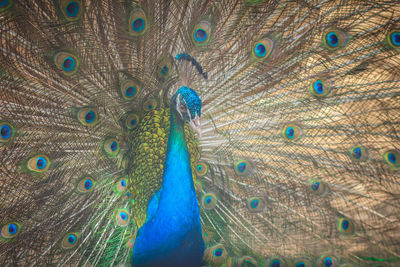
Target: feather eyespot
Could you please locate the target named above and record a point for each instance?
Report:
(122, 217)
(5, 4)
(150, 104)
(242, 167)
(393, 38)
(209, 201)
(72, 10)
(69, 241)
(111, 147)
(6, 132)
(201, 169)
(392, 158)
(131, 241)
(164, 68)
(334, 39)
(137, 22)
(292, 132)
(88, 116)
(262, 49)
(207, 234)
(320, 88)
(122, 184)
(255, 204)
(327, 261)
(130, 89)
(132, 121)
(358, 153)
(66, 62)
(201, 33)
(345, 226)
(276, 262)
(86, 185)
(10, 230)
(39, 163)
(216, 254)
(318, 187)
(247, 261)
(302, 262)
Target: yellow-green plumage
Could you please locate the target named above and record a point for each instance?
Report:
(149, 144)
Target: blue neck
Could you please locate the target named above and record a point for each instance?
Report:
(172, 235)
(177, 186)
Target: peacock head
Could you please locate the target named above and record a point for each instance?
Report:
(186, 104)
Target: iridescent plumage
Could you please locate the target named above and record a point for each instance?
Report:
(298, 159)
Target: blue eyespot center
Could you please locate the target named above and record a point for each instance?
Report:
(392, 158)
(133, 122)
(72, 9)
(90, 116)
(332, 39)
(68, 64)
(345, 225)
(41, 163)
(218, 252)
(123, 215)
(149, 106)
(260, 50)
(200, 35)
(114, 146)
(88, 184)
(395, 38)
(3, 3)
(300, 264)
(5, 131)
(71, 239)
(290, 132)
(319, 87)
(130, 91)
(315, 186)
(199, 168)
(328, 262)
(254, 203)
(138, 24)
(123, 183)
(12, 229)
(276, 263)
(208, 200)
(164, 70)
(242, 167)
(357, 153)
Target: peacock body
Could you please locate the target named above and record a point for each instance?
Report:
(298, 159)
(172, 233)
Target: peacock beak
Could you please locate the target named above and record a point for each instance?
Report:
(196, 125)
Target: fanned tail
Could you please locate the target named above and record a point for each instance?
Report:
(299, 151)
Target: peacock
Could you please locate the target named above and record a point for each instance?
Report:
(200, 133)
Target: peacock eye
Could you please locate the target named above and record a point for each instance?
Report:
(72, 10)
(10, 230)
(122, 217)
(69, 241)
(182, 106)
